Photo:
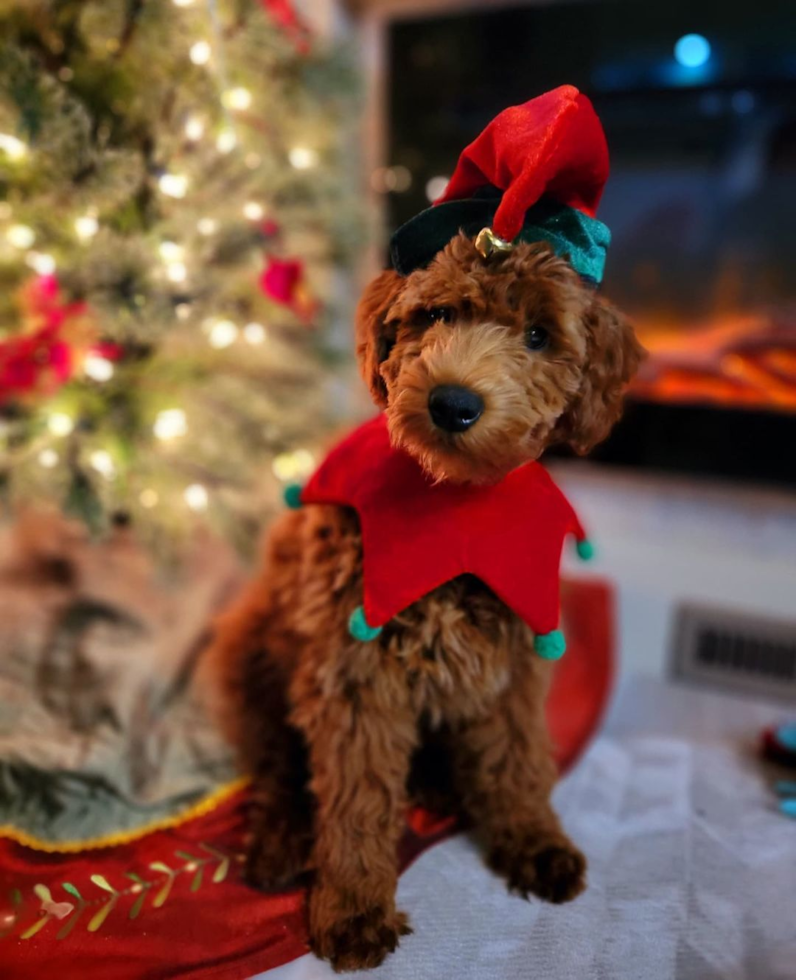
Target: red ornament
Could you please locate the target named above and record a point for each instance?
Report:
(42, 359)
(553, 145)
(284, 15)
(283, 282)
(417, 534)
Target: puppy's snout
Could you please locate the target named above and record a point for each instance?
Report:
(454, 408)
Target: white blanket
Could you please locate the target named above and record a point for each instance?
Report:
(692, 868)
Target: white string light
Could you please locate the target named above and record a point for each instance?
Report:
(206, 226)
(86, 227)
(13, 148)
(173, 185)
(102, 461)
(253, 210)
(222, 334)
(176, 272)
(183, 3)
(48, 458)
(98, 368)
(171, 251)
(196, 496)
(171, 423)
(289, 466)
(183, 311)
(41, 263)
(303, 157)
(200, 53)
(60, 424)
(254, 333)
(226, 141)
(238, 98)
(21, 236)
(194, 128)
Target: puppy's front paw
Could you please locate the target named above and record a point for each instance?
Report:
(356, 941)
(548, 866)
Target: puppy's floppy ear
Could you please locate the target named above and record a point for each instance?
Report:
(612, 358)
(373, 336)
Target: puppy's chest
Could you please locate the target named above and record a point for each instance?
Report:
(455, 648)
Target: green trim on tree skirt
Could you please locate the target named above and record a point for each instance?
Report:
(358, 626)
(550, 646)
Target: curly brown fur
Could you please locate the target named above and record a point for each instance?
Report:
(337, 732)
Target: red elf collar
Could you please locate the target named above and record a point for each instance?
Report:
(417, 535)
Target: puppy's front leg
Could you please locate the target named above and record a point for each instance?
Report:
(506, 773)
(360, 742)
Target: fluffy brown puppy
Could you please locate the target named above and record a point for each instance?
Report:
(448, 702)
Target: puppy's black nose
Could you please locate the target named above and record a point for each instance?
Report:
(454, 408)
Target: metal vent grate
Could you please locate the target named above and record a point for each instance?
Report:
(747, 654)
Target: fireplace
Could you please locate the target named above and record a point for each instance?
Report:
(701, 200)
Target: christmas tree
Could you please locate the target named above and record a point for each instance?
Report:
(178, 200)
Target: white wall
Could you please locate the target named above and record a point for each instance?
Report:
(664, 539)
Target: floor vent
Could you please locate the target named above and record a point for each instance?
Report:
(725, 649)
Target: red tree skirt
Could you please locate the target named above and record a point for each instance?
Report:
(173, 904)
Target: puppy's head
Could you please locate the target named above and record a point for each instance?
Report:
(482, 363)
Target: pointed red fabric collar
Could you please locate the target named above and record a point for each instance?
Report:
(417, 535)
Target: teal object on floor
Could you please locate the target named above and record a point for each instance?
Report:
(788, 807)
(786, 736)
(292, 495)
(550, 646)
(358, 626)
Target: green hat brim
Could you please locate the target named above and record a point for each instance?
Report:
(581, 240)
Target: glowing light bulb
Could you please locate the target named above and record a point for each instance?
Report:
(226, 141)
(253, 211)
(148, 498)
(43, 264)
(200, 53)
(238, 98)
(86, 227)
(13, 148)
(21, 236)
(302, 157)
(171, 251)
(48, 458)
(102, 461)
(436, 187)
(183, 3)
(173, 185)
(98, 368)
(183, 311)
(194, 128)
(254, 333)
(196, 496)
(692, 50)
(206, 226)
(222, 334)
(60, 424)
(171, 423)
(289, 466)
(176, 272)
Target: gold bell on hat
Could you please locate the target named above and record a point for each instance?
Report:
(487, 244)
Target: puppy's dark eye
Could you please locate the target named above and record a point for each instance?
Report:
(537, 338)
(436, 314)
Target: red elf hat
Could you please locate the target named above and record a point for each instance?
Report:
(536, 173)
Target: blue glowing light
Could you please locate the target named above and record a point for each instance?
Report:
(692, 50)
